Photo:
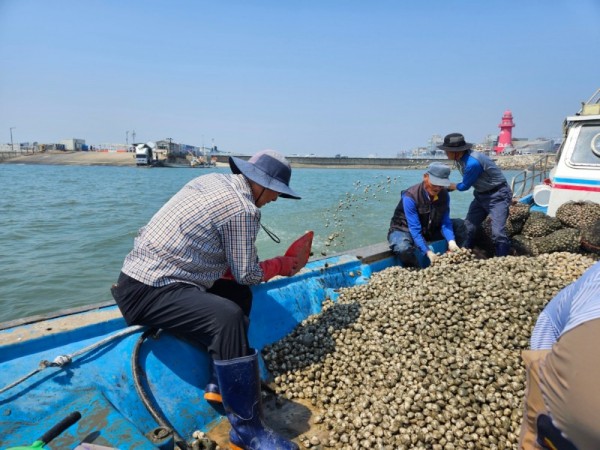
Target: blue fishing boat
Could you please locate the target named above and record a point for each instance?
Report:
(137, 389)
(82, 378)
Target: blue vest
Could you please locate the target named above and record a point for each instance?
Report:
(491, 177)
(431, 212)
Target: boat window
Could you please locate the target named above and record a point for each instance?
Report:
(587, 147)
(596, 145)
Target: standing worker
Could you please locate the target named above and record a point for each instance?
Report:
(173, 279)
(422, 215)
(563, 369)
(492, 195)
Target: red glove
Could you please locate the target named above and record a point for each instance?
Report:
(301, 248)
(228, 275)
(281, 265)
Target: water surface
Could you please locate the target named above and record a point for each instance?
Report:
(65, 230)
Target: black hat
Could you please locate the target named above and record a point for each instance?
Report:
(455, 142)
(267, 168)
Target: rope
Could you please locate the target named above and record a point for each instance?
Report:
(272, 235)
(140, 380)
(589, 245)
(63, 360)
(20, 380)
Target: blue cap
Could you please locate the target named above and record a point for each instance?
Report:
(439, 174)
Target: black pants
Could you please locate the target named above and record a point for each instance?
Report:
(217, 319)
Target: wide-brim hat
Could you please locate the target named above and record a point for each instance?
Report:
(268, 169)
(455, 142)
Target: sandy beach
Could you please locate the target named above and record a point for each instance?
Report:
(128, 159)
(75, 158)
(71, 158)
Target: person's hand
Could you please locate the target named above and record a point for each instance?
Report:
(289, 265)
(452, 246)
(301, 249)
(228, 275)
(281, 265)
(452, 187)
(431, 255)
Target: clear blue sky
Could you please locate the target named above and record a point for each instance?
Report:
(314, 76)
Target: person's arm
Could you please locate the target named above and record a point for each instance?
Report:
(447, 230)
(552, 319)
(239, 237)
(545, 333)
(473, 170)
(414, 224)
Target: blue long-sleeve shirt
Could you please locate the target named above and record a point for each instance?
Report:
(471, 173)
(414, 224)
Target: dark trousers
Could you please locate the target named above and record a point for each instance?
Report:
(403, 244)
(496, 205)
(216, 319)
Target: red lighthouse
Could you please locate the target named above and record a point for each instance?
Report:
(505, 137)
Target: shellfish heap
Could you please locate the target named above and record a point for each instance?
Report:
(574, 229)
(426, 359)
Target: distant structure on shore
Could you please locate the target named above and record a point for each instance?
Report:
(505, 138)
(169, 149)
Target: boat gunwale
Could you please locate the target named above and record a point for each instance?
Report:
(366, 255)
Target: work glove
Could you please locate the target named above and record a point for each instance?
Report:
(452, 246)
(431, 255)
(285, 266)
(301, 248)
(228, 275)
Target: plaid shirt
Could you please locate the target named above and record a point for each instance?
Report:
(210, 225)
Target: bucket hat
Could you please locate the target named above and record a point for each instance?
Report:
(268, 168)
(455, 142)
(439, 174)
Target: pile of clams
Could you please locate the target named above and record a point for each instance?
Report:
(423, 359)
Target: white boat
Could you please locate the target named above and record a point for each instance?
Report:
(575, 176)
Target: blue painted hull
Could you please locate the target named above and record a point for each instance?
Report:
(99, 383)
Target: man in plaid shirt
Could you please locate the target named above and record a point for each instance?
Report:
(190, 273)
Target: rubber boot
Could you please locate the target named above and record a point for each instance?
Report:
(239, 382)
(212, 393)
(502, 249)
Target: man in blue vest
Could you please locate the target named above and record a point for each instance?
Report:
(492, 195)
(422, 216)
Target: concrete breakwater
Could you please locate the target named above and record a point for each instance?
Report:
(127, 159)
(348, 162)
(513, 162)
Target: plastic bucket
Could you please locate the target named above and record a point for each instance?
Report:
(541, 194)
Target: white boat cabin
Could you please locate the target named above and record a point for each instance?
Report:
(576, 175)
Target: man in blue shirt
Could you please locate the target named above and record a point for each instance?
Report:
(422, 215)
(492, 195)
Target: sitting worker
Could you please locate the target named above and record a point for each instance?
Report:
(173, 279)
(422, 216)
(492, 195)
(563, 370)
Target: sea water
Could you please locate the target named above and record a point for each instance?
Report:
(65, 230)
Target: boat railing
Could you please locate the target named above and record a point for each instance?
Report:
(592, 106)
(523, 183)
